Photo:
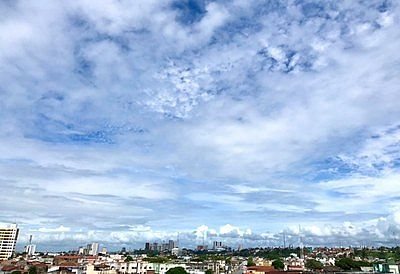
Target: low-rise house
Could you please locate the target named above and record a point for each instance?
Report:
(259, 269)
(92, 269)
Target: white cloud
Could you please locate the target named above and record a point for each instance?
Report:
(229, 118)
(54, 230)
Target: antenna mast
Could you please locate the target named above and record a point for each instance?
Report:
(301, 244)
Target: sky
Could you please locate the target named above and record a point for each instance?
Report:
(124, 122)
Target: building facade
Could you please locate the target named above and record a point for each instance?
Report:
(8, 241)
(30, 250)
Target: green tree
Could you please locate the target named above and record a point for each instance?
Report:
(314, 264)
(344, 263)
(128, 259)
(209, 271)
(32, 270)
(278, 264)
(156, 260)
(177, 270)
(350, 264)
(250, 262)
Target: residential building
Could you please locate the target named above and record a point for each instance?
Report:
(259, 269)
(104, 251)
(91, 269)
(175, 251)
(94, 249)
(147, 246)
(171, 245)
(160, 247)
(30, 249)
(217, 245)
(8, 241)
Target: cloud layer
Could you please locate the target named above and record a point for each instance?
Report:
(142, 119)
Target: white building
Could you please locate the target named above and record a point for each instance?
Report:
(393, 268)
(8, 240)
(104, 251)
(175, 251)
(217, 245)
(90, 269)
(143, 267)
(30, 249)
(94, 249)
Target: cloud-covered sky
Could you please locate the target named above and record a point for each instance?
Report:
(129, 121)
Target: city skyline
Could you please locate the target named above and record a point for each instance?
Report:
(124, 122)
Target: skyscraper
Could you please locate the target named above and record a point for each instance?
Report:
(30, 249)
(171, 245)
(94, 249)
(217, 245)
(8, 240)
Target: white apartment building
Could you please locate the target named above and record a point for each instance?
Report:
(134, 267)
(8, 240)
(143, 267)
(30, 249)
(90, 269)
(94, 249)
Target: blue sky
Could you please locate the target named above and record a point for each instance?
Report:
(131, 121)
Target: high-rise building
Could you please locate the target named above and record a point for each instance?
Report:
(30, 249)
(217, 245)
(171, 245)
(94, 249)
(8, 240)
(161, 247)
